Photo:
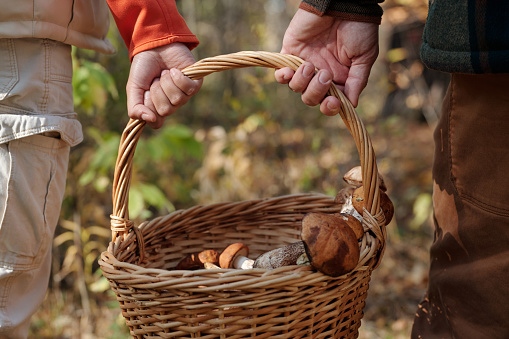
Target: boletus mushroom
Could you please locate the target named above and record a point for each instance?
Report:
(197, 260)
(235, 256)
(354, 224)
(330, 243)
(344, 195)
(279, 257)
(354, 178)
(385, 203)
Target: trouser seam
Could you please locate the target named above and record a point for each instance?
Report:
(47, 71)
(3, 300)
(12, 64)
(449, 132)
(485, 207)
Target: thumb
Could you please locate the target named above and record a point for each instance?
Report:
(136, 108)
(356, 82)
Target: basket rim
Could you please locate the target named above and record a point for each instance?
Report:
(207, 280)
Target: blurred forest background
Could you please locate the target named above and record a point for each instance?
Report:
(242, 137)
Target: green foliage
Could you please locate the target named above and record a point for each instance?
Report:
(92, 84)
(103, 159)
(173, 142)
(154, 156)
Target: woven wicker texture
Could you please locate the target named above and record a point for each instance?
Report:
(290, 302)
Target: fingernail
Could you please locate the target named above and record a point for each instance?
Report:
(173, 72)
(146, 98)
(146, 117)
(324, 78)
(307, 71)
(333, 107)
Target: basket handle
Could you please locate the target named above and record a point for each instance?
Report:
(120, 223)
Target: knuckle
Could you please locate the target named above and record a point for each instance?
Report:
(164, 109)
(297, 88)
(178, 99)
(308, 101)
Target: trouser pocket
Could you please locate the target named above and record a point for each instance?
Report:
(32, 183)
(32, 173)
(9, 69)
(479, 140)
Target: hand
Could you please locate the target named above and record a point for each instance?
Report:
(343, 51)
(156, 87)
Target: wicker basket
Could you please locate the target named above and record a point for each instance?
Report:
(289, 302)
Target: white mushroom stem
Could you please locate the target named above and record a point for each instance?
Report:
(348, 209)
(211, 266)
(303, 259)
(243, 262)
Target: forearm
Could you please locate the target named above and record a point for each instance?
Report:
(352, 10)
(146, 24)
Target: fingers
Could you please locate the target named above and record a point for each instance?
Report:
(136, 107)
(284, 75)
(154, 120)
(356, 82)
(330, 106)
(317, 88)
(166, 94)
(302, 78)
(314, 87)
(172, 91)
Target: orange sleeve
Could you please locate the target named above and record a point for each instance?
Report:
(146, 24)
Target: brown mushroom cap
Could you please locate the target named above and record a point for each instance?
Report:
(358, 199)
(387, 207)
(343, 195)
(231, 252)
(385, 203)
(354, 177)
(209, 256)
(330, 243)
(354, 224)
(197, 260)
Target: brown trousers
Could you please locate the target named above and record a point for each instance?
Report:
(468, 291)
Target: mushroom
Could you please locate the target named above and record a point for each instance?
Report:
(303, 259)
(387, 207)
(295, 253)
(385, 203)
(279, 257)
(354, 177)
(197, 260)
(235, 256)
(354, 224)
(358, 200)
(211, 266)
(343, 195)
(347, 206)
(330, 243)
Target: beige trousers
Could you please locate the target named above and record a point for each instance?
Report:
(36, 113)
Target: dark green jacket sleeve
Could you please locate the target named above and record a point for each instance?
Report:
(467, 36)
(353, 10)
